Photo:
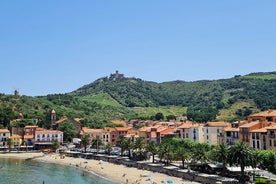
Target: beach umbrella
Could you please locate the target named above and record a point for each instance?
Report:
(169, 181)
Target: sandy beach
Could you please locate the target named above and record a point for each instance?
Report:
(117, 173)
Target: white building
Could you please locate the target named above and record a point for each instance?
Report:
(4, 136)
(192, 131)
(213, 131)
(48, 136)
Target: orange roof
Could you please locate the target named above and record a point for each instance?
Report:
(4, 131)
(48, 131)
(230, 129)
(217, 124)
(16, 136)
(167, 131)
(186, 125)
(89, 130)
(271, 127)
(247, 125)
(262, 130)
(28, 136)
(122, 128)
(61, 120)
(265, 113)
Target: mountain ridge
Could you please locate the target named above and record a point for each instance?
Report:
(114, 98)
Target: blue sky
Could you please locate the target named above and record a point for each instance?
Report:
(54, 46)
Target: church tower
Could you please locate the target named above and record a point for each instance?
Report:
(53, 116)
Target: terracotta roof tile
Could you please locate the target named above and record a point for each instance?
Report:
(265, 113)
(247, 125)
(4, 131)
(217, 124)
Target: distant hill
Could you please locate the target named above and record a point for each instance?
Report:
(116, 96)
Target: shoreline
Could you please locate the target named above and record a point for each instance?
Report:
(106, 170)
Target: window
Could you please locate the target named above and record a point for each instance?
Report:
(4, 134)
(270, 142)
(258, 144)
(274, 143)
(254, 144)
(207, 137)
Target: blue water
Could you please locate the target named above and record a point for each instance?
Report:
(14, 171)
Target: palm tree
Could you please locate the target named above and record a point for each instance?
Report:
(221, 154)
(152, 148)
(9, 143)
(139, 144)
(121, 143)
(182, 154)
(96, 143)
(201, 152)
(108, 147)
(56, 145)
(85, 141)
(241, 155)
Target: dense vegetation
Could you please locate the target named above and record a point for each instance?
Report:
(127, 98)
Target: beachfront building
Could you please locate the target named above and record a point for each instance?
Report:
(213, 131)
(45, 138)
(29, 135)
(258, 138)
(192, 131)
(4, 136)
(245, 129)
(109, 135)
(16, 140)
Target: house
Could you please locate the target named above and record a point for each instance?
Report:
(213, 131)
(29, 135)
(269, 116)
(4, 136)
(245, 129)
(258, 138)
(16, 140)
(231, 135)
(93, 133)
(45, 138)
(122, 131)
(192, 131)
(270, 137)
(109, 135)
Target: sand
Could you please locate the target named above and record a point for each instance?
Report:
(116, 173)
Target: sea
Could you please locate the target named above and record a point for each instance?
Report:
(19, 171)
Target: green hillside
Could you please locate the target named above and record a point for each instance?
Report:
(130, 98)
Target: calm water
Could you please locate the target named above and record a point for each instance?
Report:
(13, 171)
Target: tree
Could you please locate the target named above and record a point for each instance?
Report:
(56, 145)
(85, 141)
(152, 148)
(139, 144)
(68, 129)
(159, 116)
(221, 154)
(200, 152)
(9, 143)
(182, 154)
(108, 147)
(96, 143)
(241, 155)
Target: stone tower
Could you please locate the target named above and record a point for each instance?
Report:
(53, 116)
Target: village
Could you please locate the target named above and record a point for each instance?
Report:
(258, 131)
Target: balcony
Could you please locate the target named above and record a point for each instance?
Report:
(272, 136)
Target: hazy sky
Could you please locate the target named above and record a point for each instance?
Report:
(55, 46)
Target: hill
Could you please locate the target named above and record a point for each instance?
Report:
(119, 97)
